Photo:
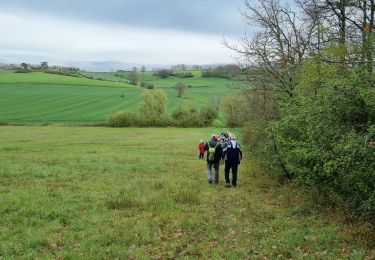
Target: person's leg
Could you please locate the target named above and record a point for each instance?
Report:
(217, 175)
(226, 171)
(234, 173)
(209, 168)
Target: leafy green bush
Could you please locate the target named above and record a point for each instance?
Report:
(207, 115)
(183, 75)
(226, 72)
(150, 86)
(233, 108)
(324, 141)
(163, 73)
(186, 117)
(122, 119)
(217, 123)
(23, 71)
(162, 121)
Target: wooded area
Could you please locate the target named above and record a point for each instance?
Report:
(310, 106)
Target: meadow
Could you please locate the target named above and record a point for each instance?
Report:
(94, 193)
(49, 98)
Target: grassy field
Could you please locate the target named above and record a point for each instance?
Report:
(54, 79)
(71, 192)
(63, 103)
(40, 97)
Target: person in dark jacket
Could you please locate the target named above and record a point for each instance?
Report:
(214, 153)
(231, 156)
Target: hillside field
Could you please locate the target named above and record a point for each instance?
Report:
(72, 192)
(41, 97)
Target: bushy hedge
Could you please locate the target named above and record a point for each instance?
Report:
(325, 142)
(323, 137)
(183, 75)
(181, 117)
(226, 72)
(122, 119)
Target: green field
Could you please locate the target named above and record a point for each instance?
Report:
(54, 79)
(41, 97)
(71, 192)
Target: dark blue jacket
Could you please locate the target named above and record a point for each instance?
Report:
(232, 152)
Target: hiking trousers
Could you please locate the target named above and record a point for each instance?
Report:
(228, 166)
(209, 170)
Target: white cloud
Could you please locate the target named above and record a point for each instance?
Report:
(33, 36)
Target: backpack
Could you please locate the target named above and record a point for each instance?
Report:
(211, 152)
(235, 154)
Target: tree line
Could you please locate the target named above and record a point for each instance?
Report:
(309, 110)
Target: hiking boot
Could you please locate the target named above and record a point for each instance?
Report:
(227, 185)
(209, 182)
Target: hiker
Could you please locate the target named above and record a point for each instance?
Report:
(231, 156)
(223, 138)
(201, 147)
(214, 152)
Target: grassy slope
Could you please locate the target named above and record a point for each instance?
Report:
(61, 103)
(41, 97)
(54, 79)
(119, 193)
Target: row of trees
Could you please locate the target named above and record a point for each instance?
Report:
(43, 66)
(310, 110)
(226, 72)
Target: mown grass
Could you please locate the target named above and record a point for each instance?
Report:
(72, 192)
(63, 103)
(41, 97)
(54, 79)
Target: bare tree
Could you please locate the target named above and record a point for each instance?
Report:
(282, 42)
(274, 53)
(133, 76)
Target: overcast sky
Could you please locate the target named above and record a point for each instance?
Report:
(122, 31)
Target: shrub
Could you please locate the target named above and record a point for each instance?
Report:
(180, 88)
(186, 117)
(234, 110)
(163, 73)
(122, 119)
(207, 115)
(23, 71)
(227, 72)
(323, 139)
(153, 104)
(217, 123)
(183, 75)
(161, 121)
(150, 86)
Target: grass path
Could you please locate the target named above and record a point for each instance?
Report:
(70, 192)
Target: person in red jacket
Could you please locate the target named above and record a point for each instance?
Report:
(201, 148)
